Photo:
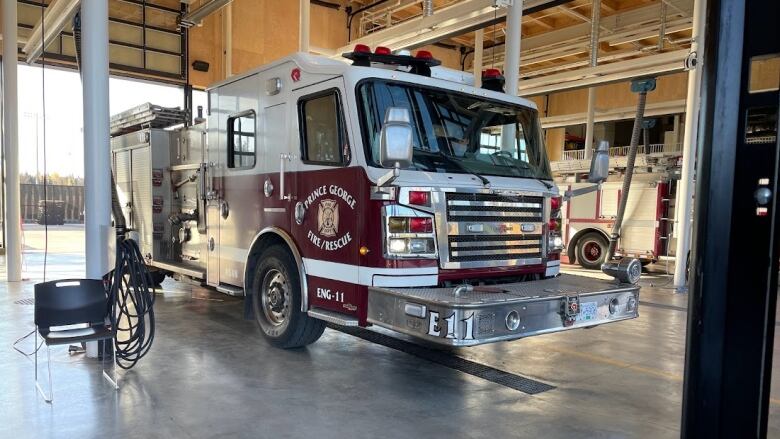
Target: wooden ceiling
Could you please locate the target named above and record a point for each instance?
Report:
(575, 12)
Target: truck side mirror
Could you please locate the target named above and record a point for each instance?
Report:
(395, 142)
(599, 164)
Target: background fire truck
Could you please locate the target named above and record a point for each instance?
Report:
(647, 233)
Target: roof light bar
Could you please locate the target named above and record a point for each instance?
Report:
(420, 64)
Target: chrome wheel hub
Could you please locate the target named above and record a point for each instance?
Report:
(275, 297)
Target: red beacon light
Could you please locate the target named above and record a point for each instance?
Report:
(491, 73)
(492, 79)
(555, 203)
(381, 50)
(423, 54)
(361, 48)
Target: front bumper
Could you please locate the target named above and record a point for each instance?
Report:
(487, 314)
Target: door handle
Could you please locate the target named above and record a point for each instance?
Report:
(283, 158)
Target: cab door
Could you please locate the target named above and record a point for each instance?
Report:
(329, 189)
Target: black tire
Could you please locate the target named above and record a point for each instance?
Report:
(278, 310)
(156, 277)
(591, 250)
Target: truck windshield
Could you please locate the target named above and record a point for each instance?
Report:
(456, 132)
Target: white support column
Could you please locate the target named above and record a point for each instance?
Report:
(514, 22)
(13, 246)
(97, 162)
(303, 32)
(479, 42)
(685, 187)
(595, 22)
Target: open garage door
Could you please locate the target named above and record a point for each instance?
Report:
(145, 40)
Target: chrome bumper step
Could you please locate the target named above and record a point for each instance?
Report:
(332, 317)
(467, 316)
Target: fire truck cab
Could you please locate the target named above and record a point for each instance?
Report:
(389, 192)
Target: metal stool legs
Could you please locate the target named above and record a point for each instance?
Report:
(48, 398)
(114, 381)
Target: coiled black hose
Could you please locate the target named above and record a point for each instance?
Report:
(131, 298)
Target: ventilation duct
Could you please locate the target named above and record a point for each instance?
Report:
(427, 8)
(193, 18)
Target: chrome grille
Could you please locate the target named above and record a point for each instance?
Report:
(493, 230)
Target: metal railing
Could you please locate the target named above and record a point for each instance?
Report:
(382, 18)
(622, 151)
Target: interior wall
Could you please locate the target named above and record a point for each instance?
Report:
(554, 143)
(205, 44)
(618, 95)
(448, 57)
(262, 31)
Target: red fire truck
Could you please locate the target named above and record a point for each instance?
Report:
(389, 192)
(646, 232)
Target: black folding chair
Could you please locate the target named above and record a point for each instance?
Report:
(71, 311)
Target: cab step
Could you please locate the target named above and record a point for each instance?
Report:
(333, 317)
(230, 290)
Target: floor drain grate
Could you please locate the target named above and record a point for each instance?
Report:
(511, 380)
(28, 301)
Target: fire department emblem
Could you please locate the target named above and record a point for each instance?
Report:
(328, 218)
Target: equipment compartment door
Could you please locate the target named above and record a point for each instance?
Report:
(235, 208)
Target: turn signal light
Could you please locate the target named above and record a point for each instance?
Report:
(381, 50)
(553, 225)
(361, 48)
(420, 225)
(423, 54)
(420, 198)
(400, 224)
(397, 224)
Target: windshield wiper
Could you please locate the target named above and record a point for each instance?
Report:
(457, 164)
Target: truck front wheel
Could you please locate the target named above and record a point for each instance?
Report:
(591, 250)
(276, 302)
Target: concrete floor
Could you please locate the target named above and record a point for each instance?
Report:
(210, 374)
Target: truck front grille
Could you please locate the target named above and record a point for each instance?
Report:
(493, 230)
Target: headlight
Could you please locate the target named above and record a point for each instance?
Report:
(408, 233)
(411, 246)
(554, 242)
(398, 245)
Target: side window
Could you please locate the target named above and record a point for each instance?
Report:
(241, 140)
(324, 138)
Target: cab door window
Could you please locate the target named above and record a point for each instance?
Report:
(241, 140)
(323, 134)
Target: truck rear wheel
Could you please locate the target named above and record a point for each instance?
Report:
(277, 302)
(591, 250)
